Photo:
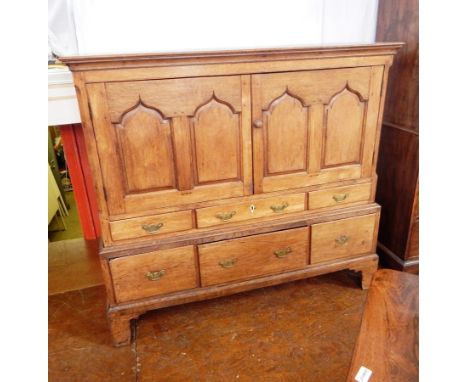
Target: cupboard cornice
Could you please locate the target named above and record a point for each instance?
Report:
(84, 63)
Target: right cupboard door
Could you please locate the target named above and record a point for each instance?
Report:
(314, 127)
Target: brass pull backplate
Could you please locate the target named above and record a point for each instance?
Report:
(280, 253)
(340, 197)
(229, 263)
(280, 207)
(151, 228)
(225, 215)
(343, 239)
(155, 275)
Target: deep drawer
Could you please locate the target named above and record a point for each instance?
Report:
(252, 256)
(260, 208)
(337, 196)
(151, 225)
(153, 273)
(343, 238)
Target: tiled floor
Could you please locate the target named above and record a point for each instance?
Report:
(300, 331)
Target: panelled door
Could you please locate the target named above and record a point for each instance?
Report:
(314, 127)
(170, 142)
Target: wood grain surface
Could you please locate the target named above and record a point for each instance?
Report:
(133, 228)
(348, 237)
(299, 331)
(235, 230)
(398, 165)
(182, 143)
(250, 209)
(257, 255)
(130, 274)
(339, 196)
(314, 105)
(388, 342)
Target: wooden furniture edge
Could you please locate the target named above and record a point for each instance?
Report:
(211, 234)
(394, 261)
(97, 70)
(400, 127)
(79, 63)
(252, 197)
(371, 325)
(119, 316)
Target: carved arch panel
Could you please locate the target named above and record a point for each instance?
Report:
(318, 127)
(178, 142)
(146, 150)
(343, 129)
(286, 135)
(216, 133)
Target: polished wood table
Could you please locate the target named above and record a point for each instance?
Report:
(388, 342)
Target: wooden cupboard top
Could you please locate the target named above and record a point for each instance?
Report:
(79, 63)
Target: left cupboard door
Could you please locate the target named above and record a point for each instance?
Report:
(172, 142)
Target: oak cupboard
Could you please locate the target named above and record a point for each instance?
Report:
(220, 172)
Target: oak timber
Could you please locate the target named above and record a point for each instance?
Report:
(218, 172)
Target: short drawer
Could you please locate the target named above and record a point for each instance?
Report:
(153, 273)
(240, 259)
(260, 208)
(343, 238)
(338, 196)
(151, 225)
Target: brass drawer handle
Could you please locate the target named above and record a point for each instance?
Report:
(152, 228)
(343, 239)
(279, 208)
(155, 275)
(225, 216)
(340, 197)
(280, 253)
(229, 263)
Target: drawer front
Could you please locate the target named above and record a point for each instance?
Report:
(343, 238)
(151, 225)
(338, 196)
(260, 208)
(153, 273)
(240, 259)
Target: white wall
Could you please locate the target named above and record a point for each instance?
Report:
(88, 27)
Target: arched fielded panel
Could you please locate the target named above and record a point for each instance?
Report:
(314, 127)
(172, 142)
(216, 143)
(286, 135)
(343, 129)
(144, 139)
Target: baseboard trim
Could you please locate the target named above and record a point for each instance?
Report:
(394, 261)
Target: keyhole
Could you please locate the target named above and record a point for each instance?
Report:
(252, 208)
